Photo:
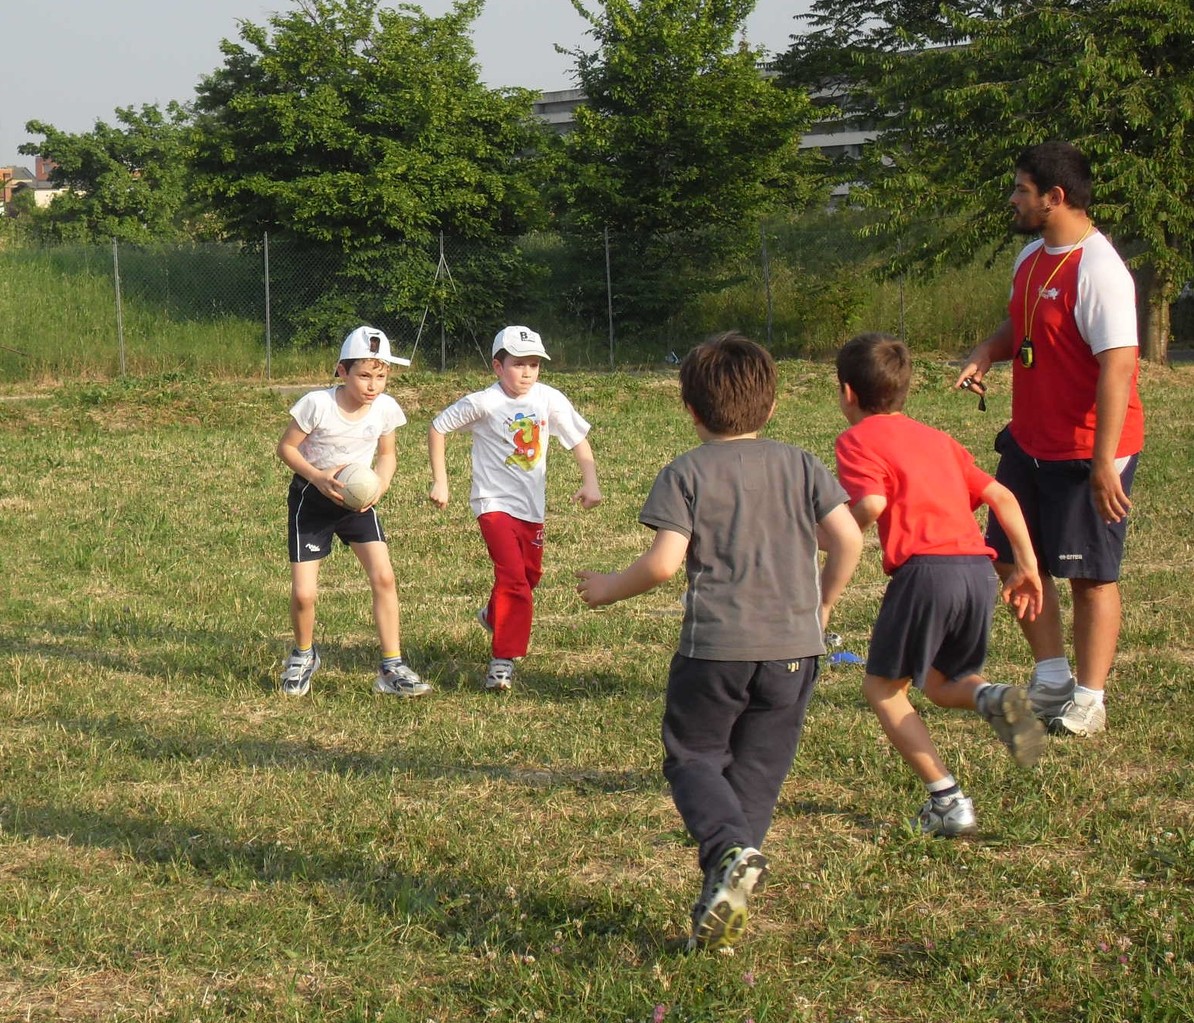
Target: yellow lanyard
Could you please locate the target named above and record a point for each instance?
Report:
(1030, 319)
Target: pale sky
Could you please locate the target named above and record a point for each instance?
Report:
(71, 63)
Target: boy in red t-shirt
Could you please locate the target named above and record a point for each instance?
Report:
(921, 487)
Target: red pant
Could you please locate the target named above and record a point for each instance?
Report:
(516, 550)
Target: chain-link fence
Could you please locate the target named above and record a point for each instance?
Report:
(603, 299)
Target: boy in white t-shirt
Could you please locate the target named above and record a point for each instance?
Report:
(511, 422)
(329, 429)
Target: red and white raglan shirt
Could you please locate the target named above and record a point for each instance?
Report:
(1072, 303)
(931, 483)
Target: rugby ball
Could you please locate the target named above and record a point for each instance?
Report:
(359, 485)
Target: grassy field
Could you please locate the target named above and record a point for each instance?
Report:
(179, 844)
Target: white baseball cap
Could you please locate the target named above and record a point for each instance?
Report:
(369, 343)
(519, 341)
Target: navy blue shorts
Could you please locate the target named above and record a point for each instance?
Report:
(936, 613)
(1070, 538)
(313, 521)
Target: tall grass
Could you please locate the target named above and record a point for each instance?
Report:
(58, 314)
(179, 844)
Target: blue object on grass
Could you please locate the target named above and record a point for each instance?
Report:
(845, 657)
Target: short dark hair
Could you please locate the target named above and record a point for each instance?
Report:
(878, 368)
(730, 382)
(1052, 164)
(349, 363)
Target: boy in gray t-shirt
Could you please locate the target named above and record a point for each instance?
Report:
(744, 516)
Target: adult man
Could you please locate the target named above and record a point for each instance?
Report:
(1070, 451)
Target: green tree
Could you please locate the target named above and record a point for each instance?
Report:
(126, 181)
(358, 134)
(682, 146)
(963, 91)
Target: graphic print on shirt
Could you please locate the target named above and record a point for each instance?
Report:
(528, 451)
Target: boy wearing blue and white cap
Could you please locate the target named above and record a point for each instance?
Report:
(511, 422)
(330, 428)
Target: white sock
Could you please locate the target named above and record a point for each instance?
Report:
(1093, 694)
(943, 787)
(1052, 671)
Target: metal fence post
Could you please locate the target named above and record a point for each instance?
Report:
(609, 298)
(766, 276)
(443, 334)
(119, 307)
(268, 335)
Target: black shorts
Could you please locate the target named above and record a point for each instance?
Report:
(313, 521)
(1070, 538)
(936, 613)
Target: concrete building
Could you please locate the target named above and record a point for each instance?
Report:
(832, 136)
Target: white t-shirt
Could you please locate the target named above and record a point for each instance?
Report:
(333, 440)
(510, 438)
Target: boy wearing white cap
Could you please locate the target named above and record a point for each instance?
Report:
(511, 422)
(330, 428)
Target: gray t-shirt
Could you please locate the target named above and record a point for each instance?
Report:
(749, 509)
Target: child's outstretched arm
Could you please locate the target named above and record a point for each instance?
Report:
(1022, 588)
(841, 539)
(589, 494)
(436, 448)
(656, 565)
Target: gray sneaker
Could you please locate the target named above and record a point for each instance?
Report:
(1049, 700)
(1083, 715)
(947, 818)
(719, 917)
(1007, 710)
(296, 676)
(483, 618)
(500, 675)
(399, 680)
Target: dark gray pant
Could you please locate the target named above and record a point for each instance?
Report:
(730, 733)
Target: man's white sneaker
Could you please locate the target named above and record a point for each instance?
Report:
(500, 675)
(1083, 715)
(1047, 700)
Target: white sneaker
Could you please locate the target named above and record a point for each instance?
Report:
(1083, 715)
(1048, 700)
(296, 676)
(719, 917)
(483, 618)
(400, 680)
(947, 818)
(500, 675)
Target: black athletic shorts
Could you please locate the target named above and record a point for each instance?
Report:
(313, 521)
(1070, 538)
(936, 613)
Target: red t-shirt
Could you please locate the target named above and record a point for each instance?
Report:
(931, 483)
(1074, 305)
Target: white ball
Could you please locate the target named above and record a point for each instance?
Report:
(360, 485)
